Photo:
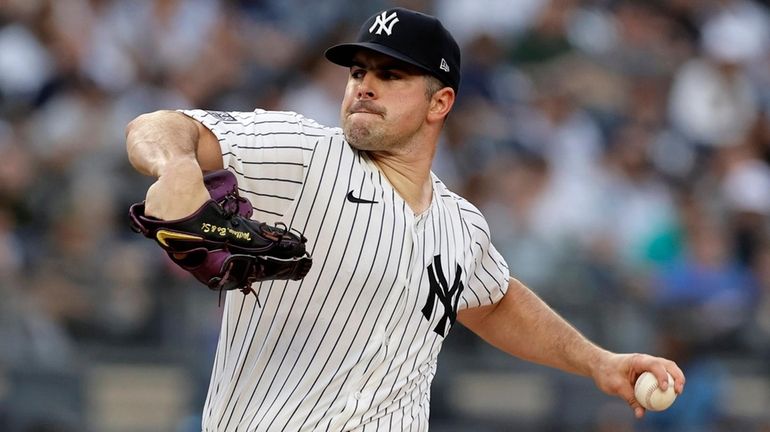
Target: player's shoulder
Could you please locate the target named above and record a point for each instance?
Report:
(295, 118)
(264, 121)
(467, 210)
(470, 217)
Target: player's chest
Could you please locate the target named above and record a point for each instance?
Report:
(367, 242)
(354, 218)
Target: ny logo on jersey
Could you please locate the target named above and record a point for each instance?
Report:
(385, 22)
(449, 297)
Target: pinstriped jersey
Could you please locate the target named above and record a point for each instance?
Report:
(353, 346)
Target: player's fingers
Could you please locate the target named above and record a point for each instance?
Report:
(678, 376)
(673, 369)
(658, 369)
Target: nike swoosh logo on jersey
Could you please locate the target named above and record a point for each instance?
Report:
(356, 200)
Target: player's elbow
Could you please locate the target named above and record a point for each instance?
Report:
(135, 130)
(153, 138)
(144, 121)
(155, 125)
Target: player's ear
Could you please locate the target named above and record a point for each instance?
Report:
(441, 103)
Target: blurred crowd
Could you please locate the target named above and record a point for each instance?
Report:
(620, 150)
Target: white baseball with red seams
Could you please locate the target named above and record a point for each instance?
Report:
(649, 394)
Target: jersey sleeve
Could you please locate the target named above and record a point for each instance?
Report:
(489, 275)
(268, 151)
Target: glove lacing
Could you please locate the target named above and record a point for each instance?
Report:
(230, 206)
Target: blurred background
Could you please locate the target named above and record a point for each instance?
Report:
(620, 150)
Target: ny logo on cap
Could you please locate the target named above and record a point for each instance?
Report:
(385, 22)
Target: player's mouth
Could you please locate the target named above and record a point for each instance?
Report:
(365, 107)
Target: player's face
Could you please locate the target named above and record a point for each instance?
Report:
(385, 103)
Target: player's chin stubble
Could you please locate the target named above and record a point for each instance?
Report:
(361, 136)
(357, 136)
(361, 125)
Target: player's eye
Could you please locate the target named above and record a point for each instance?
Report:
(357, 73)
(390, 75)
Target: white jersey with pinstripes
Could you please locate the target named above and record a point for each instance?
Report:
(353, 346)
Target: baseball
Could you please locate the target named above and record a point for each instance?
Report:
(650, 396)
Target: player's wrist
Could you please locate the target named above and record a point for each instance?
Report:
(180, 166)
(178, 192)
(597, 362)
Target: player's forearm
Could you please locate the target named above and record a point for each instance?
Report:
(524, 326)
(156, 139)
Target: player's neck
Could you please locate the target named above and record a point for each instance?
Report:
(410, 177)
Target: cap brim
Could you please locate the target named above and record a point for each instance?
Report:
(343, 54)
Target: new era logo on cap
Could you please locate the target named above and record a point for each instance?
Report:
(385, 22)
(412, 37)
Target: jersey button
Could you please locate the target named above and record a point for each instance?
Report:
(358, 395)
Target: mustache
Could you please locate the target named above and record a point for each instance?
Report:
(366, 106)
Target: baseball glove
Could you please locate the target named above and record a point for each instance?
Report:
(221, 246)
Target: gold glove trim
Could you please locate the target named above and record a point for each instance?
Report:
(163, 235)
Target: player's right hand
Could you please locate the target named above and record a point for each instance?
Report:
(616, 374)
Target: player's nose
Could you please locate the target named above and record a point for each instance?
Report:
(365, 88)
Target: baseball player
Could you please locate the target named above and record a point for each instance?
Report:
(398, 259)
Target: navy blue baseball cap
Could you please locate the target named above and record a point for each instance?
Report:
(412, 37)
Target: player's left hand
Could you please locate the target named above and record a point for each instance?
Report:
(616, 374)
